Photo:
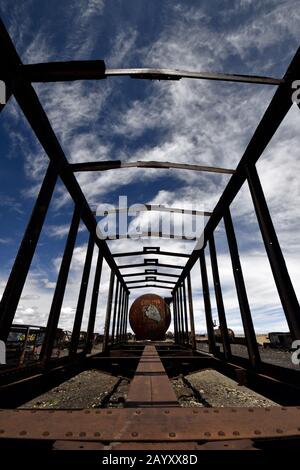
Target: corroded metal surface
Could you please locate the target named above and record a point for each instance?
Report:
(152, 424)
(150, 385)
(149, 317)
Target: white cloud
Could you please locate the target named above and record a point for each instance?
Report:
(192, 121)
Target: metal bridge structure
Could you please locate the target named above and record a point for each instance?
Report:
(151, 416)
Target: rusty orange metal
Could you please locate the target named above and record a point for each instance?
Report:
(149, 317)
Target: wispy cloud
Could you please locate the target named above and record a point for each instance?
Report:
(187, 121)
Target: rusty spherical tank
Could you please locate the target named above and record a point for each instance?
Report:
(149, 317)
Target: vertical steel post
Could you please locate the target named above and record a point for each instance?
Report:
(175, 319)
(94, 303)
(179, 316)
(282, 279)
(191, 311)
(18, 275)
(219, 298)
(60, 288)
(108, 311)
(207, 304)
(115, 312)
(182, 315)
(241, 291)
(82, 296)
(126, 317)
(119, 315)
(187, 336)
(123, 316)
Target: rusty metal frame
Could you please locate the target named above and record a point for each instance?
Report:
(148, 425)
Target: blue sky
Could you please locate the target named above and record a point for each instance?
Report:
(120, 118)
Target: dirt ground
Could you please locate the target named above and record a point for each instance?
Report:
(93, 389)
(86, 390)
(217, 390)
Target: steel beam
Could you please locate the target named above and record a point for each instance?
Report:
(18, 275)
(155, 273)
(60, 288)
(178, 315)
(82, 296)
(116, 164)
(175, 319)
(149, 251)
(126, 317)
(122, 316)
(183, 332)
(282, 279)
(108, 312)
(150, 285)
(219, 298)
(115, 313)
(187, 336)
(96, 70)
(119, 314)
(149, 234)
(207, 304)
(241, 292)
(191, 311)
(94, 302)
(63, 71)
(157, 265)
(156, 280)
(158, 208)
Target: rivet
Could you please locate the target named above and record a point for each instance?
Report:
(137, 412)
(221, 433)
(172, 434)
(250, 410)
(82, 434)
(109, 412)
(46, 433)
(279, 431)
(267, 409)
(98, 412)
(205, 411)
(257, 431)
(69, 433)
(69, 411)
(236, 433)
(134, 434)
(208, 434)
(283, 409)
(195, 411)
(87, 412)
(2, 431)
(233, 410)
(23, 433)
(216, 411)
(97, 434)
(166, 412)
